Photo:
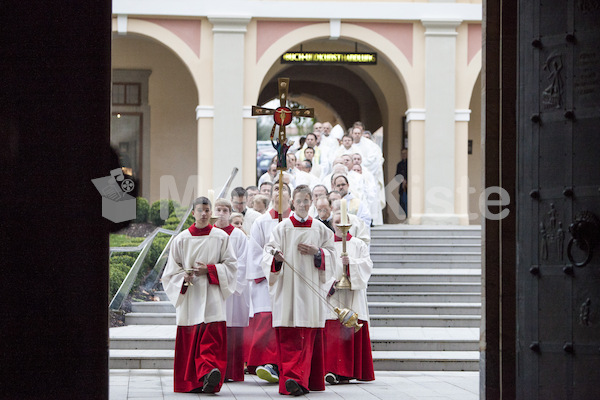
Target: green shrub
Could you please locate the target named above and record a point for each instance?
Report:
(123, 258)
(155, 211)
(142, 207)
(124, 240)
(117, 275)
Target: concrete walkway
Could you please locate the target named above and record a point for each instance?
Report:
(148, 384)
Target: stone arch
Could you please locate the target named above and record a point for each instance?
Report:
(393, 55)
(172, 42)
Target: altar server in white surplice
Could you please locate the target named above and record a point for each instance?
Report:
(298, 312)
(199, 276)
(263, 358)
(237, 306)
(348, 354)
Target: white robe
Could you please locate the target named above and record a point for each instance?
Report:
(260, 300)
(203, 302)
(372, 159)
(361, 267)
(237, 306)
(358, 208)
(294, 302)
(359, 230)
(249, 217)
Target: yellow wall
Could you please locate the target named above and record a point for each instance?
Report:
(173, 99)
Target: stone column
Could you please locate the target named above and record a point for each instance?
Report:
(440, 82)
(228, 89)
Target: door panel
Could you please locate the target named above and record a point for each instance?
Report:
(558, 302)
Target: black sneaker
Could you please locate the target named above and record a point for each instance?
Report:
(332, 378)
(293, 387)
(211, 381)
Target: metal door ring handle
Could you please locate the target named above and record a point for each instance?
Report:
(588, 250)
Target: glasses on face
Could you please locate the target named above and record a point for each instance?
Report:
(239, 203)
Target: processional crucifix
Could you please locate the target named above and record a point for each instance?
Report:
(282, 117)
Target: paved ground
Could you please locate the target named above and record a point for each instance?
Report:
(155, 384)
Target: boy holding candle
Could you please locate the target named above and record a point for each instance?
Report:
(348, 353)
(200, 274)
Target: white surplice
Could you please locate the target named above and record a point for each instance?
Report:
(237, 305)
(260, 301)
(203, 302)
(295, 303)
(361, 267)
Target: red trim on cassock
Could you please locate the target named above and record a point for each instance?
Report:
(213, 277)
(275, 214)
(339, 239)
(348, 353)
(235, 354)
(276, 265)
(263, 346)
(200, 232)
(301, 357)
(199, 349)
(298, 224)
(322, 266)
(228, 229)
(259, 280)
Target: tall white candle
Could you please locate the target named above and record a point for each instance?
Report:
(344, 210)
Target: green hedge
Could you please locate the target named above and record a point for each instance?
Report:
(119, 266)
(142, 208)
(155, 211)
(172, 222)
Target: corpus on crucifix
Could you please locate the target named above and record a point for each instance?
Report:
(282, 116)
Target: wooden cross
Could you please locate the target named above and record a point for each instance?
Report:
(282, 117)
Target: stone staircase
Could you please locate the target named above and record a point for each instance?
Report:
(424, 301)
(425, 297)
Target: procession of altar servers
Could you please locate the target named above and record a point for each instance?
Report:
(356, 154)
(271, 340)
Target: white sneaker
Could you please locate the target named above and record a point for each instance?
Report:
(267, 373)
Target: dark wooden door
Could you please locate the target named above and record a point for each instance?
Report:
(558, 269)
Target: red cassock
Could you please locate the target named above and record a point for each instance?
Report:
(263, 349)
(235, 354)
(348, 354)
(300, 350)
(199, 349)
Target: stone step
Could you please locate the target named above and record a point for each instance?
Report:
(142, 343)
(425, 230)
(382, 360)
(141, 359)
(426, 297)
(153, 307)
(387, 240)
(472, 275)
(426, 360)
(430, 257)
(416, 320)
(405, 262)
(150, 318)
(418, 247)
(425, 308)
(428, 287)
(162, 295)
(424, 339)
